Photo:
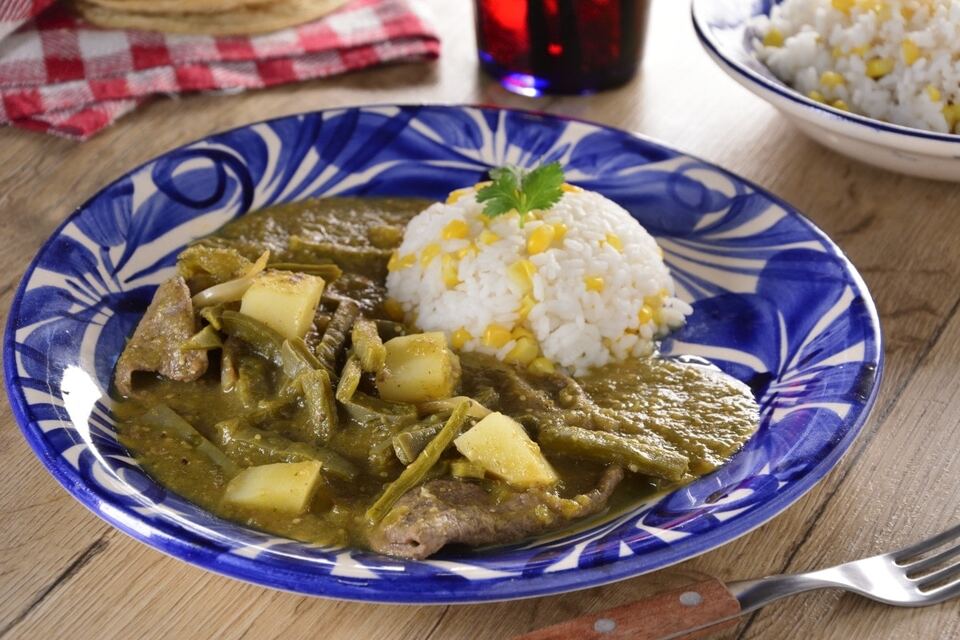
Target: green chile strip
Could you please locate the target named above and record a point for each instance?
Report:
(228, 365)
(466, 469)
(203, 340)
(360, 259)
(319, 403)
(408, 445)
(212, 315)
(297, 358)
(162, 417)
(335, 337)
(349, 379)
(292, 356)
(366, 408)
(253, 381)
(417, 470)
(328, 271)
(262, 339)
(266, 447)
(368, 346)
(607, 447)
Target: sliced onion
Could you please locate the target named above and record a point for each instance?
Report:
(475, 410)
(204, 340)
(259, 265)
(229, 291)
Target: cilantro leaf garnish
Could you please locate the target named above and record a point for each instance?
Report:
(515, 189)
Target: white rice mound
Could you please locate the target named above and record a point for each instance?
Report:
(572, 326)
(897, 58)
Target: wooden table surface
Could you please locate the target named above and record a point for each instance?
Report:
(64, 572)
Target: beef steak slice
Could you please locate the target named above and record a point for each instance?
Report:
(443, 512)
(155, 345)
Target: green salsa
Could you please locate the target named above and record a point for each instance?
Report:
(663, 421)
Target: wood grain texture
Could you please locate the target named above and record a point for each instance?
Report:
(700, 606)
(62, 568)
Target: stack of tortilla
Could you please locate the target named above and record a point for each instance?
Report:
(209, 17)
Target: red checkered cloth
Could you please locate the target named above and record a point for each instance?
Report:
(14, 13)
(62, 76)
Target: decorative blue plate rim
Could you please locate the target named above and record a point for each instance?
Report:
(357, 581)
(704, 31)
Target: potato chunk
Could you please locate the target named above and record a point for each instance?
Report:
(418, 368)
(285, 301)
(287, 487)
(499, 444)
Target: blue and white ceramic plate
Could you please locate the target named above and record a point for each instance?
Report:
(776, 304)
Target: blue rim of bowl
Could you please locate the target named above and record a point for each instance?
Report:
(703, 34)
(249, 570)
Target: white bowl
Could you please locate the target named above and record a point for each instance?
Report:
(723, 29)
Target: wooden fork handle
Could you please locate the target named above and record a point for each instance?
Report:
(664, 615)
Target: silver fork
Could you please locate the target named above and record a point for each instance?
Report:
(901, 578)
(922, 574)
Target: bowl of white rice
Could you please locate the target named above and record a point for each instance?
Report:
(876, 80)
(577, 285)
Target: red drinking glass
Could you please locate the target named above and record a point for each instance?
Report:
(560, 46)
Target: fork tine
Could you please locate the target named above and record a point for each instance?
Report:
(941, 594)
(944, 577)
(916, 568)
(929, 544)
(945, 593)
